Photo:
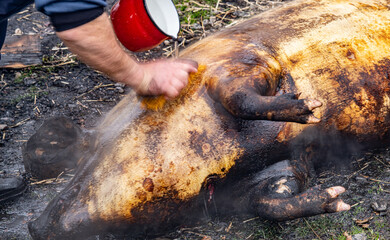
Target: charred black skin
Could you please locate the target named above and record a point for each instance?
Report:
(270, 178)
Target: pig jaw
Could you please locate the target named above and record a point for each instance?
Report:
(66, 217)
(74, 225)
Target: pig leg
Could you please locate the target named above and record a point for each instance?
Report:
(277, 194)
(312, 202)
(248, 103)
(249, 90)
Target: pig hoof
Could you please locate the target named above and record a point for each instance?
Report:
(312, 104)
(312, 119)
(337, 205)
(325, 200)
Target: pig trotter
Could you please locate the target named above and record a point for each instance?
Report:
(309, 203)
(279, 197)
(255, 99)
(250, 105)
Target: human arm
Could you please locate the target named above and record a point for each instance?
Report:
(95, 44)
(87, 31)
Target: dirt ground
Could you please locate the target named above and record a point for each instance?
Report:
(62, 86)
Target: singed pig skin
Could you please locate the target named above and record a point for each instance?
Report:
(261, 89)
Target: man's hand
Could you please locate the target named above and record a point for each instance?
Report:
(165, 77)
(96, 45)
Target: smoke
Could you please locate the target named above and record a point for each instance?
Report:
(118, 119)
(325, 150)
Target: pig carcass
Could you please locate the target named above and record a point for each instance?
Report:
(245, 132)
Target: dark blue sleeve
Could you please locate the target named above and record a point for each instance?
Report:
(9, 7)
(68, 14)
(3, 31)
(50, 7)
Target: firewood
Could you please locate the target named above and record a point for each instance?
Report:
(21, 51)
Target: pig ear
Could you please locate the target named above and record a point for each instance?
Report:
(52, 148)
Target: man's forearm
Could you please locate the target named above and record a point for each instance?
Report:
(96, 45)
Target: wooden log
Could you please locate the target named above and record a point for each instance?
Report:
(21, 51)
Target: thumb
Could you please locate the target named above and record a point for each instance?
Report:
(192, 65)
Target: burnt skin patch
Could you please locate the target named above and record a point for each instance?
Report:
(350, 54)
(142, 196)
(148, 185)
(206, 148)
(201, 143)
(39, 151)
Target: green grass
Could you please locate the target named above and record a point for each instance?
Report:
(31, 93)
(267, 231)
(20, 79)
(358, 210)
(332, 227)
(322, 225)
(195, 11)
(354, 230)
(375, 189)
(27, 72)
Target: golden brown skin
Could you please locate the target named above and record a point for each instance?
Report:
(152, 160)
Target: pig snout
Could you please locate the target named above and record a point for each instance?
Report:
(61, 218)
(71, 227)
(37, 231)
